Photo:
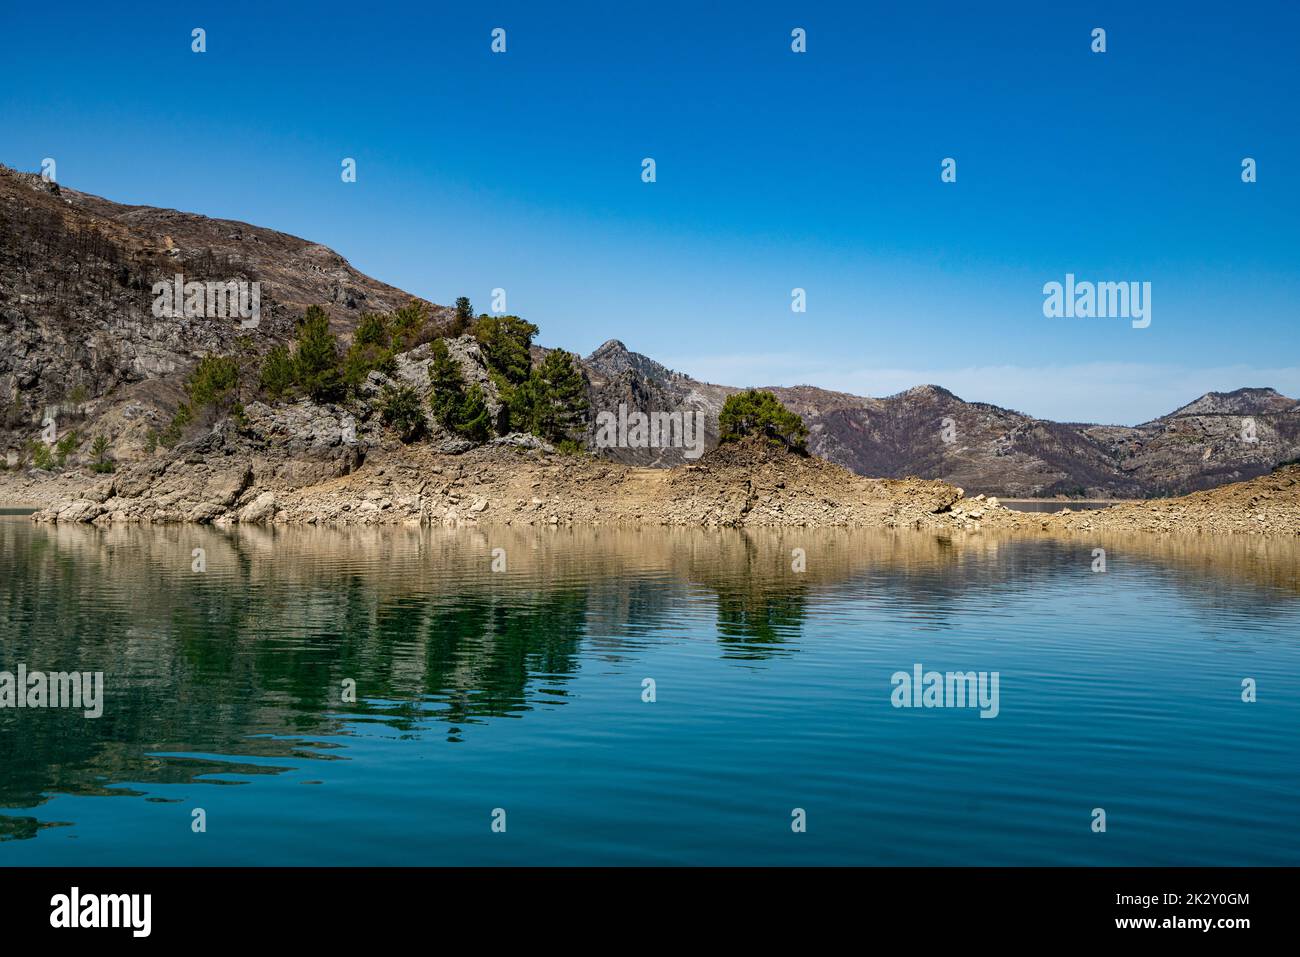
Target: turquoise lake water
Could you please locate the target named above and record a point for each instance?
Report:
(522, 690)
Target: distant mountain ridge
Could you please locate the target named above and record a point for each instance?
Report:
(994, 450)
(76, 272)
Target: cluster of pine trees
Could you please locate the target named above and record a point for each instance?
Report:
(459, 408)
(758, 412)
(549, 401)
(318, 367)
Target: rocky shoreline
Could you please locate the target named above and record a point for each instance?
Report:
(318, 471)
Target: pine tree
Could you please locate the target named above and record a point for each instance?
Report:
(99, 448)
(408, 325)
(446, 385)
(460, 409)
(474, 422)
(371, 349)
(316, 362)
(277, 372)
(214, 384)
(561, 414)
(464, 317)
(524, 403)
(372, 330)
(505, 341)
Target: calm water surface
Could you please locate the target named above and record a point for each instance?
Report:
(522, 690)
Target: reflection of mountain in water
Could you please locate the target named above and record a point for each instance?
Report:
(262, 643)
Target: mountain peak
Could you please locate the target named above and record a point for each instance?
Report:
(928, 391)
(609, 348)
(1258, 400)
(613, 359)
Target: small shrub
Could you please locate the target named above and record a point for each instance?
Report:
(99, 448)
(371, 349)
(41, 454)
(400, 409)
(214, 385)
(65, 447)
(276, 377)
(176, 428)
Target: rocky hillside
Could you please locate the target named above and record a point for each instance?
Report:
(77, 274)
(618, 377)
(76, 297)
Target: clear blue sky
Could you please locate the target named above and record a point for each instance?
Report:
(775, 170)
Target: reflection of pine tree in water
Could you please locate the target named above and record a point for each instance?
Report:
(761, 601)
(221, 664)
(482, 651)
(474, 653)
(765, 614)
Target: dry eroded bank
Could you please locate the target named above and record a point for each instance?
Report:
(751, 484)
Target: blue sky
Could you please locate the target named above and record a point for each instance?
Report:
(775, 170)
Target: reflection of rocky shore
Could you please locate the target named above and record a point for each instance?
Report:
(261, 642)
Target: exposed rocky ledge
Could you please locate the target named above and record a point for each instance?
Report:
(311, 465)
(513, 480)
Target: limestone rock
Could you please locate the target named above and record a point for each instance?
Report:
(259, 510)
